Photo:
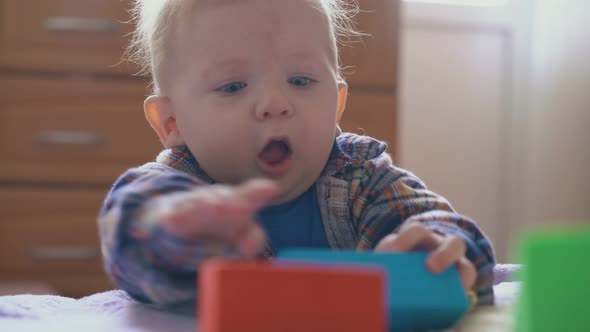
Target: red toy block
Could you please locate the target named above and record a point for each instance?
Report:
(261, 297)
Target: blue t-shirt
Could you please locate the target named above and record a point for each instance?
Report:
(295, 224)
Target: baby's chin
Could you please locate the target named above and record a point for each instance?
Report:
(287, 194)
(298, 179)
(293, 186)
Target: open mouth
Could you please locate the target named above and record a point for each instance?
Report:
(275, 152)
(275, 159)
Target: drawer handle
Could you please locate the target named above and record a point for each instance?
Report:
(64, 137)
(82, 24)
(72, 253)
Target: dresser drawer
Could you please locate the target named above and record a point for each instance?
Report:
(64, 34)
(371, 63)
(50, 235)
(373, 115)
(72, 131)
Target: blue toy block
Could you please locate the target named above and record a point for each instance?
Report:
(417, 299)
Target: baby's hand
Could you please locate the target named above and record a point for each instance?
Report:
(219, 212)
(446, 250)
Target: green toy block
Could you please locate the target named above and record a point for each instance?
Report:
(555, 292)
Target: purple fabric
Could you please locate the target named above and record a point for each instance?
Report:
(116, 301)
(115, 311)
(505, 272)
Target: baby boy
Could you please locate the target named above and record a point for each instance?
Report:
(247, 99)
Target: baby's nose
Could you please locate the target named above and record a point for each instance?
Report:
(276, 106)
(270, 113)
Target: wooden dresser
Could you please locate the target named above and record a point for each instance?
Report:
(71, 121)
(371, 71)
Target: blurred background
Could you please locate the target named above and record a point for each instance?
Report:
(488, 101)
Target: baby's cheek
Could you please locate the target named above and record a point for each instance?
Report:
(230, 164)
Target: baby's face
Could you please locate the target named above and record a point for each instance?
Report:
(255, 91)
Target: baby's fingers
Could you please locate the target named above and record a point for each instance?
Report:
(451, 250)
(258, 192)
(221, 212)
(414, 236)
(250, 241)
(467, 272)
(199, 211)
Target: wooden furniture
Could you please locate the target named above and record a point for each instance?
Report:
(71, 121)
(371, 71)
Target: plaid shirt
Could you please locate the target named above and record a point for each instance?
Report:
(362, 198)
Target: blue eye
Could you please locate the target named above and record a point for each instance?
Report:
(232, 88)
(300, 81)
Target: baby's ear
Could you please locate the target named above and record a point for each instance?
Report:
(342, 95)
(158, 111)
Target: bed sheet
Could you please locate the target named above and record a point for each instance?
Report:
(115, 311)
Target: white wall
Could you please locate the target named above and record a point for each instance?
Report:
(457, 68)
(451, 130)
(557, 179)
(494, 110)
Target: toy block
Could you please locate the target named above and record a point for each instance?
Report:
(261, 297)
(555, 294)
(416, 299)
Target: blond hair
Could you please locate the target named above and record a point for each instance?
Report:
(156, 21)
